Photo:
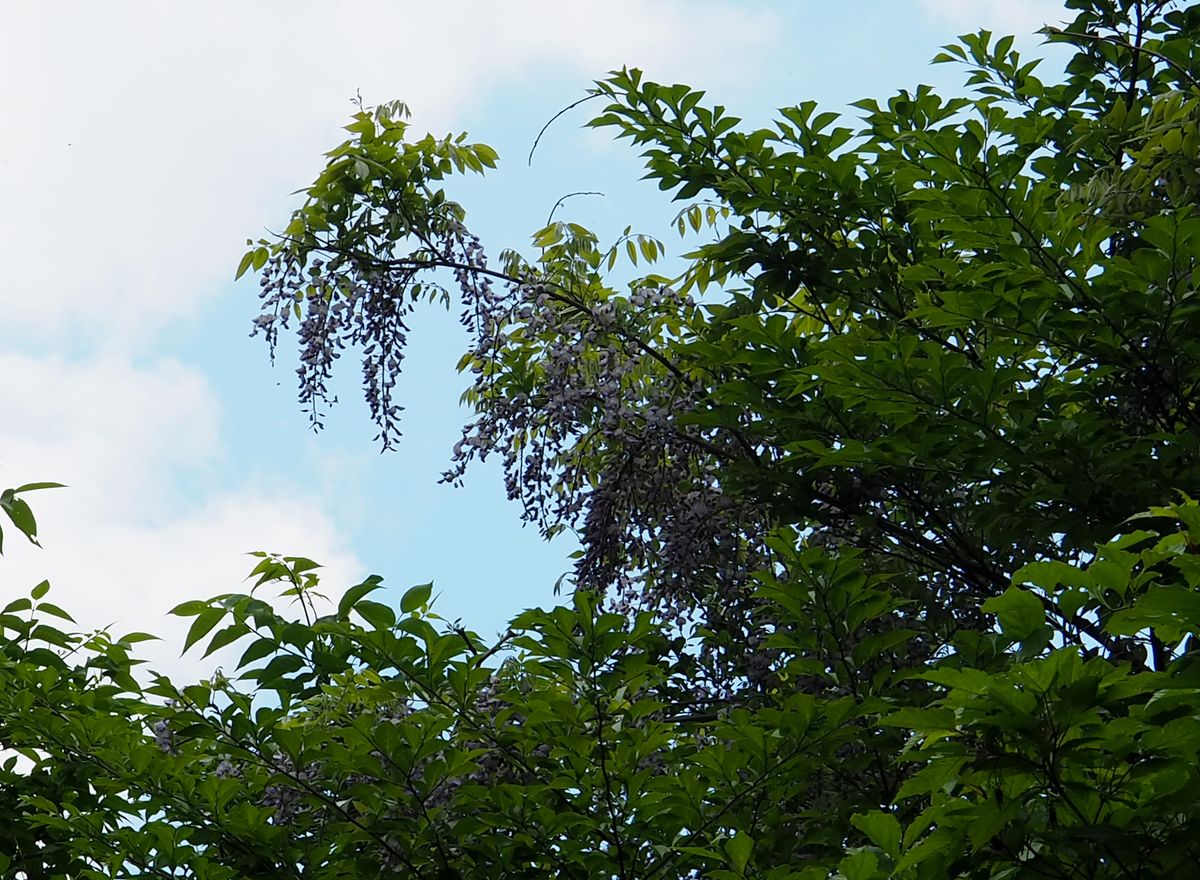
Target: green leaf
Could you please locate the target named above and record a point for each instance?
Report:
(862, 865)
(244, 265)
(202, 625)
(280, 667)
(256, 651)
(935, 843)
(738, 848)
(882, 829)
(22, 517)
(54, 611)
(34, 487)
(190, 608)
(487, 155)
(379, 616)
(415, 598)
(1170, 610)
(227, 636)
(40, 590)
(352, 595)
(1019, 611)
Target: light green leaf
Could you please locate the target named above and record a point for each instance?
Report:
(882, 829)
(1019, 611)
(352, 595)
(379, 616)
(738, 848)
(415, 598)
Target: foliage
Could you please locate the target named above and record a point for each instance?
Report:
(18, 511)
(370, 741)
(849, 602)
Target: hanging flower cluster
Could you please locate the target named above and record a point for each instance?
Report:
(595, 426)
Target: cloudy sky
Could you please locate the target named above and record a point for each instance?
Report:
(144, 142)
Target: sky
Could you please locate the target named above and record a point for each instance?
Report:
(143, 143)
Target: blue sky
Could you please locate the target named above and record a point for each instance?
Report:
(144, 142)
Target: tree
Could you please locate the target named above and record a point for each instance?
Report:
(886, 569)
(959, 338)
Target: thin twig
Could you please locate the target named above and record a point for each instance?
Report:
(558, 204)
(570, 106)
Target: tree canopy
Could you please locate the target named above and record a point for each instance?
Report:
(888, 549)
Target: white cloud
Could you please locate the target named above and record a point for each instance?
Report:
(145, 141)
(1018, 17)
(120, 546)
(112, 431)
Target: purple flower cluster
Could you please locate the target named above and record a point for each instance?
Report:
(599, 442)
(597, 429)
(287, 797)
(226, 769)
(164, 737)
(340, 305)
